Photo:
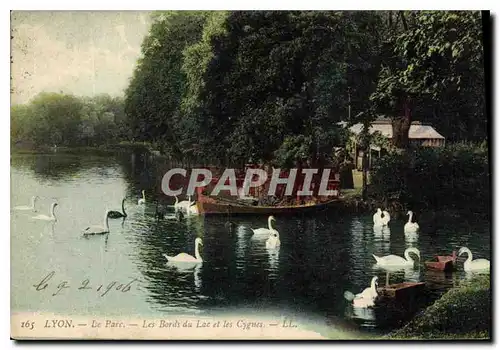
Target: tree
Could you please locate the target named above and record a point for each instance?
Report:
(53, 118)
(153, 97)
(431, 55)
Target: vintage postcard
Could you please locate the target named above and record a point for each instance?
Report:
(250, 175)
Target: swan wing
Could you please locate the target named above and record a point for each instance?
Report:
(93, 230)
(42, 217)
(367, 293)
(392, 260)
(478, 264)
(411, 227)
(349, 296)
(261, 231)
(22, 207)
(182, 257)
(363, 302)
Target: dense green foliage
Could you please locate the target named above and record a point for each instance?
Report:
(154, 96)
(446, 177)
(432, 69)
(271, 86)
(239, 86)
(462, 312)
(65, 120)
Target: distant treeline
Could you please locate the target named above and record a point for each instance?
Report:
(66, 120)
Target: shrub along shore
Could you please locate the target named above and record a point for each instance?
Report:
(452, 179)
(463, 312)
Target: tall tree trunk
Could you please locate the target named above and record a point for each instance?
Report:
(364, 162)
(401, 127)
(364, 192)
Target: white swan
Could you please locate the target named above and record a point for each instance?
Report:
(28, 207)
(266, 231)
(473, 265)
(273, 241)
(411, 227)
(186, 258)
(52, 216)
(185, 205)
(366, 298)
(377, 217)
(98, 230)
(142, 200)
(387, 217)
(394, 260)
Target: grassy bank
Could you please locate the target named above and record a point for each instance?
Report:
(461, 313)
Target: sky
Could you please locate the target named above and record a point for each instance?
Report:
(79, 52)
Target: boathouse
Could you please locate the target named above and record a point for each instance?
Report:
(420, 135)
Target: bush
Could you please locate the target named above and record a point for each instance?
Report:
(463, 312)
(455, 177)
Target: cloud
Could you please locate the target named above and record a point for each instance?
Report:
(74, 54)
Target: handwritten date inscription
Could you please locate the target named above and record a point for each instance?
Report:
(101, 289)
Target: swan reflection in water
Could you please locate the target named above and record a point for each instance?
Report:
(382, 231)
(197, 278)
(274, 255)
(409, 273)
(362, 313)
(49, 230)
(242, 245)
(182, 272)
(411, 239)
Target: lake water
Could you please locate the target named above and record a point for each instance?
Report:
(321, 256)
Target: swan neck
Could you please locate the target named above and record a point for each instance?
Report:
(106, 218)
(469, 255)
(52, 213)
(270, 224)
(197, 251)
(410, 217)
(408, 257)
(373, 287)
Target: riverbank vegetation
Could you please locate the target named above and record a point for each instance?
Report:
(270, 87)
(65, 120)
(234, 87)
(463, 312)
(435, 178)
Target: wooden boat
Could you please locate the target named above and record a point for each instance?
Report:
(226, 204)
(442, 262)
(401, 291)
(214, 206)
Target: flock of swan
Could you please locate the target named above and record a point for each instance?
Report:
(365, 299)
(32, 207)
(368, 296)
(187, 206)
